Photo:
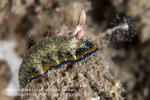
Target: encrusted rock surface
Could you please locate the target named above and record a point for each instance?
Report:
(85, 80)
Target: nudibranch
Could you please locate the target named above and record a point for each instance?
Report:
(51, 53)
(55, 52)
(64, 57)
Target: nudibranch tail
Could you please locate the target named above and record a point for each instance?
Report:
(67, 58)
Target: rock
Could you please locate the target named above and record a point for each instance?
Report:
(80, 81)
